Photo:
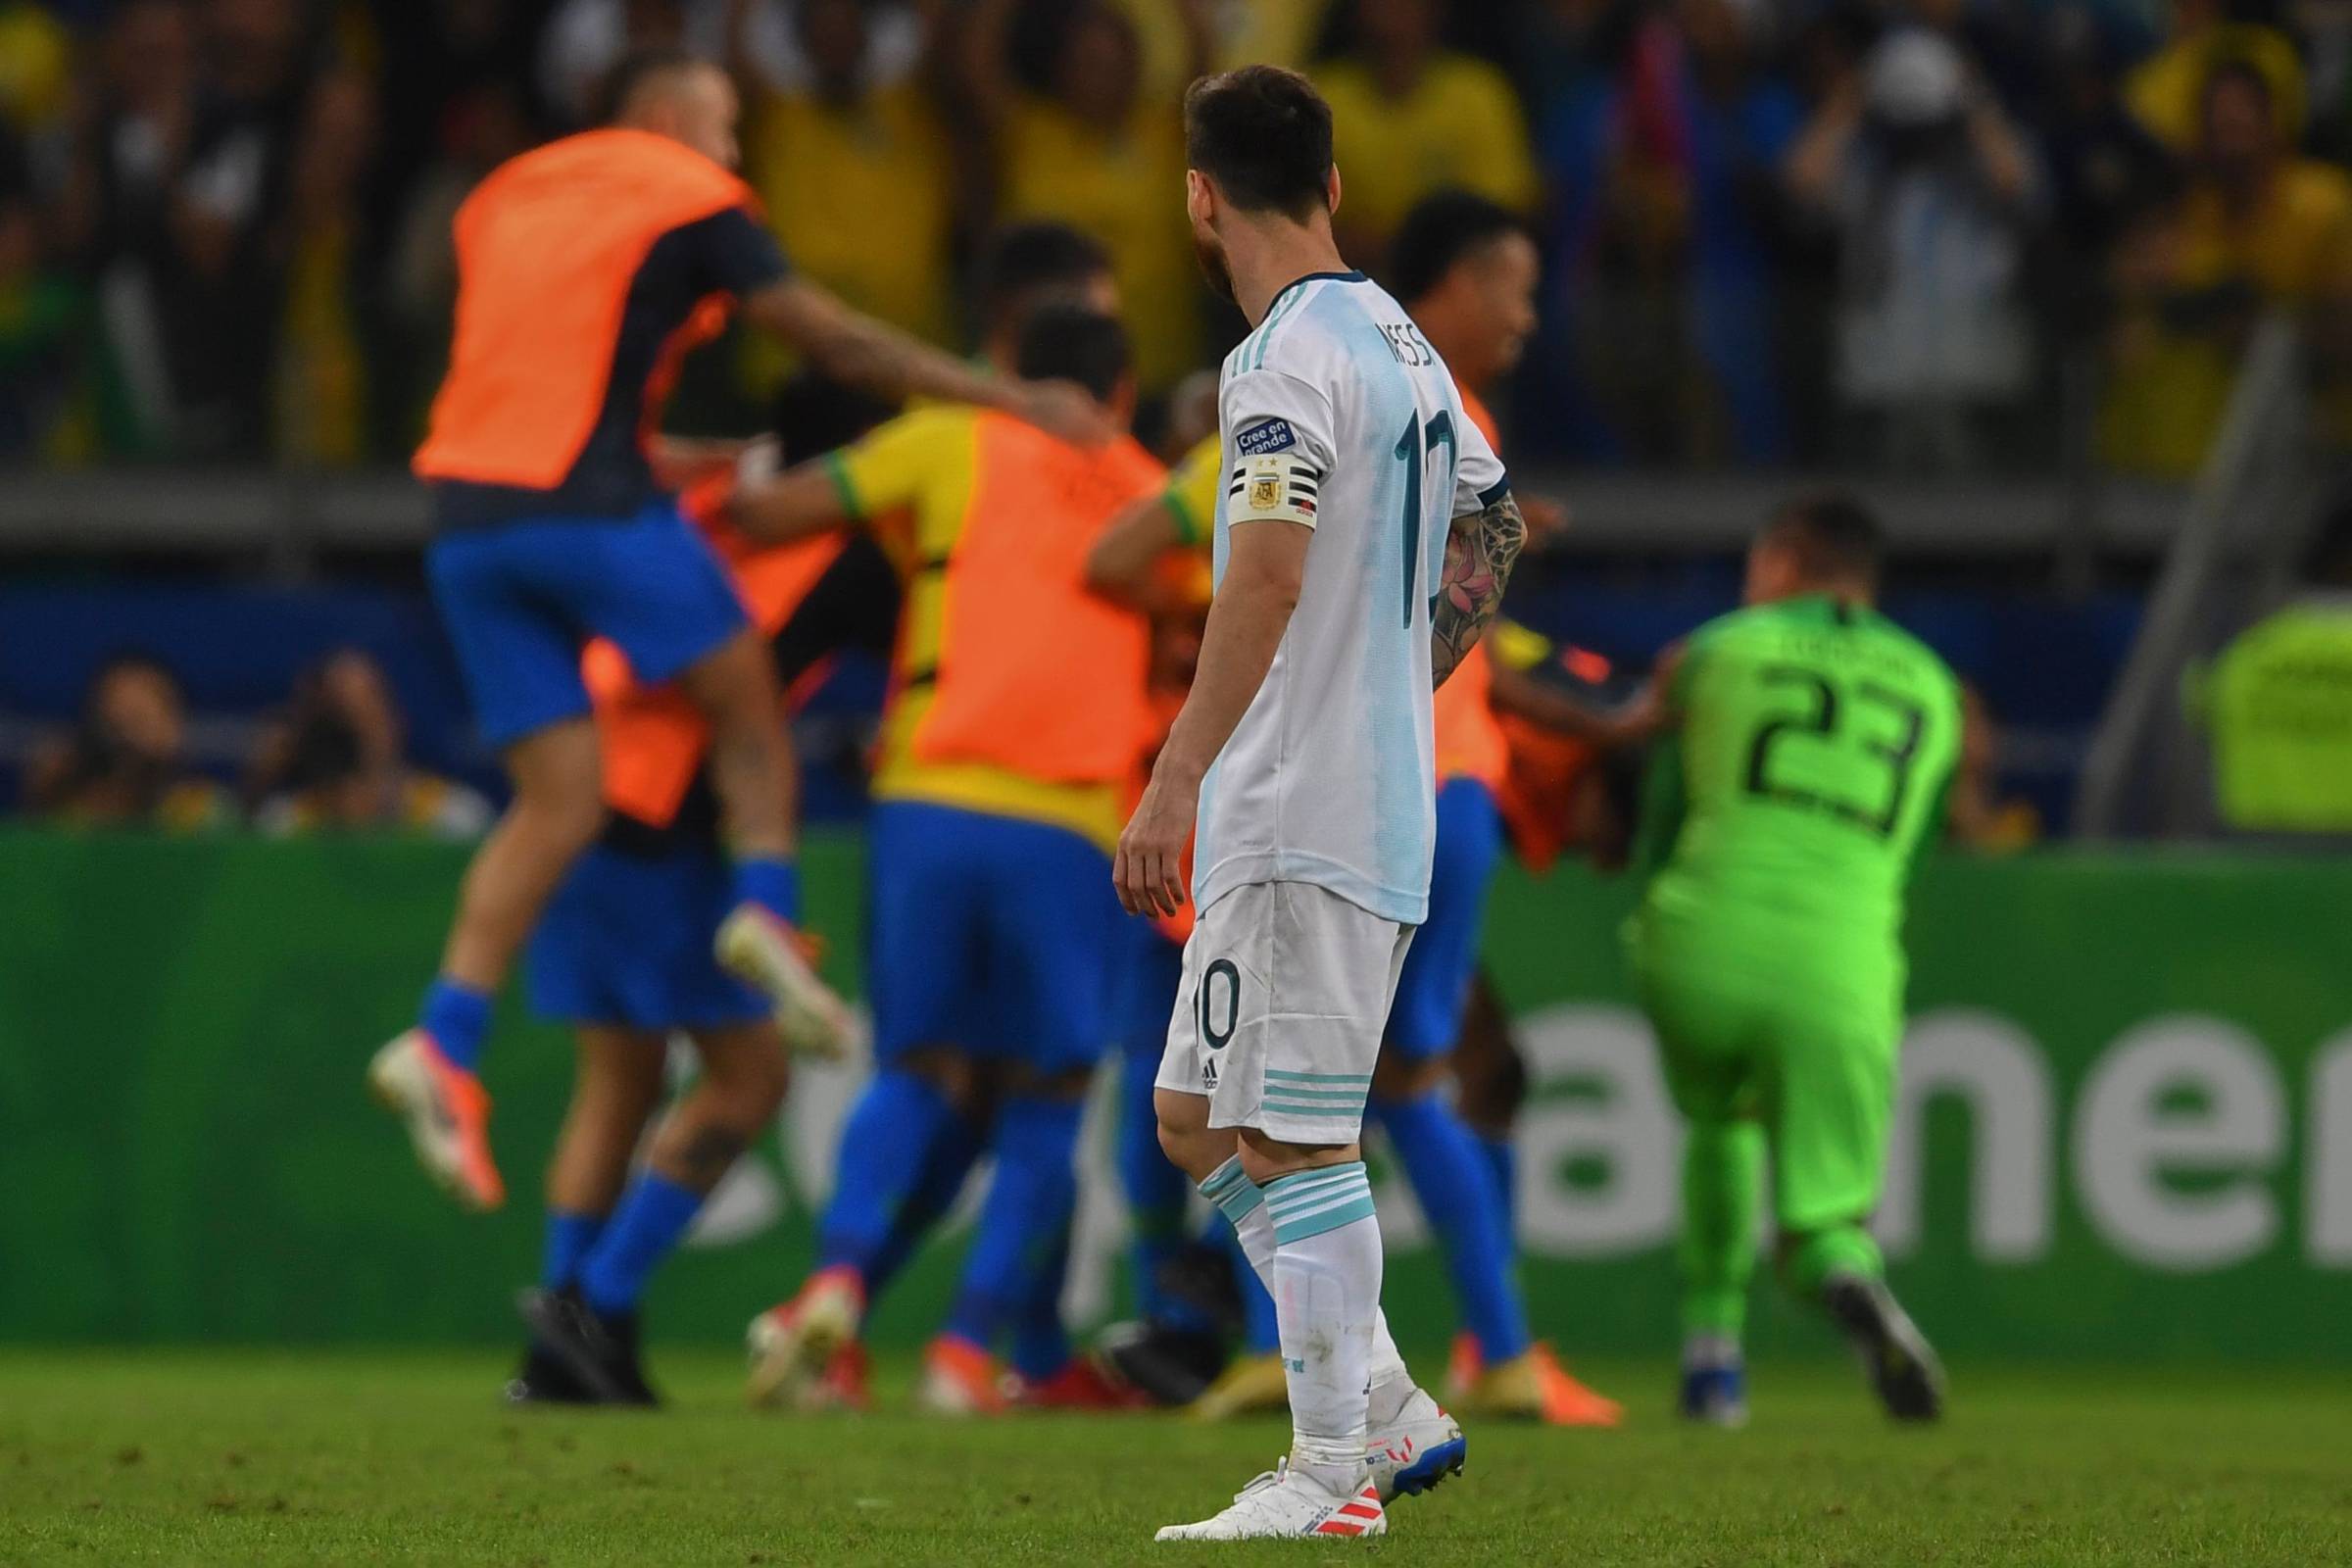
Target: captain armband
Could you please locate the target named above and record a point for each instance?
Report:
(1279, 487)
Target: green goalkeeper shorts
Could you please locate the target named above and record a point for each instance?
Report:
(1748, 1040)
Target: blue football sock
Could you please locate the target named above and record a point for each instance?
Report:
(953, 1156)
(1157, 1194)
(569, 1236)
(772, 881)
(1041, 1345)
(1457, 1193)
(1262, 1335)
(884, 1147)
(458, 1017)
(1502, 1163)
(645, 1229)
(1025, 1221)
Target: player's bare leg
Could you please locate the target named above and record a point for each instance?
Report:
(593, 1328)
(759, 791)
(428, 1082)
(744, 1078)
(751, 756)
(556, 812)
(616, 1087)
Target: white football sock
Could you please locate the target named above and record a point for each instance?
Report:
(1242, 1202)
(1327, 1267)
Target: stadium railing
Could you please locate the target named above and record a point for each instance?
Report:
(2251, 506)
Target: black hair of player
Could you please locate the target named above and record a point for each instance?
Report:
(1441, 230)
(1264, 135)
(1063, 342)
(1022, 261)
(631, 74)
(1833, 536)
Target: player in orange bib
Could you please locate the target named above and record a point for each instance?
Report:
(624, 954)
(1016, 713)
(586, 269)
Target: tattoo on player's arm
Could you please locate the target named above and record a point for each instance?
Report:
(1481, 550)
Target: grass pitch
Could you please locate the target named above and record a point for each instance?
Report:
(267, 1458)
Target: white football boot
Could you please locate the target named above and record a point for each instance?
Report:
(769, 954)
(1287, 1503)
(793, 1344)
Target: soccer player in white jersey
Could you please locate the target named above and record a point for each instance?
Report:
(1362, 544)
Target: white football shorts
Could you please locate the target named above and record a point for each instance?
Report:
(1285, 993)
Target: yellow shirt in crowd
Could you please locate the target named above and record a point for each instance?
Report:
(1125, 188)
(36, 65)
(2167, 399)
(2165, 92)
(817, 167)
(1246, 32)
(1459, 126)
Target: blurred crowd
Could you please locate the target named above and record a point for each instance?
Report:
(335, 757)
(1914, 236)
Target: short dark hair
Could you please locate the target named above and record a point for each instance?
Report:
(631, 74)
(1437, 234)
(1063, 342)
(1833, 534)
(1264, 135)
(1024, 259)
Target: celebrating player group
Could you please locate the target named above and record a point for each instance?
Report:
(1205, 771)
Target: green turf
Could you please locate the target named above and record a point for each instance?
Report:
(109, 1457)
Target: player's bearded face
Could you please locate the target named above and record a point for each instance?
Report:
(1209, 252)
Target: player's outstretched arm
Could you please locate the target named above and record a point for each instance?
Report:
(1522, 696)
(804, 499)
(682, 461)
(1481, 549)
(1265, 566)
(852, 347)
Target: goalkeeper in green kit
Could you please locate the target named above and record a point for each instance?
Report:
(1806, 748)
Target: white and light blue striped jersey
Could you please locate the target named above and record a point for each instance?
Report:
(1338, 416)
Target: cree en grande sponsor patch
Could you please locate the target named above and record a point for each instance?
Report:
(1266, 436)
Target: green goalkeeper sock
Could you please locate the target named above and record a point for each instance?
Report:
(1813, 1257)
(1722, 1181)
